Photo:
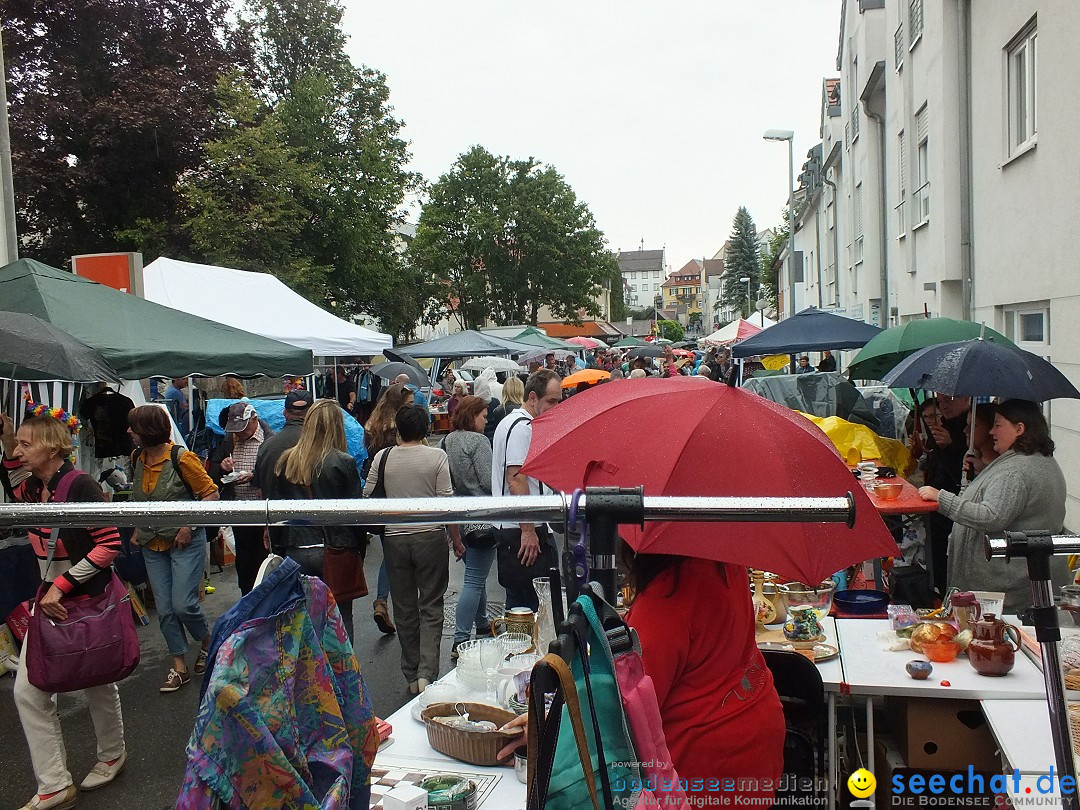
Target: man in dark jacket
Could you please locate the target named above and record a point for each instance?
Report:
(944, 469)
(297, 404)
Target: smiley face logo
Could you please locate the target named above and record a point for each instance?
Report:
(861, 783)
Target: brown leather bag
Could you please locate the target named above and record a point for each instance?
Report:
(343, 568)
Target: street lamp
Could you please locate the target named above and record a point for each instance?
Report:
(746, 280)
(789, 136)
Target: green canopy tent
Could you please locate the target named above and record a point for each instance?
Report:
(629, 341)
(140, 338)
(535, 337)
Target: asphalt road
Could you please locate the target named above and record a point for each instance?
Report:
(157, 727)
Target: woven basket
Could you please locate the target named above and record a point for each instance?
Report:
(474, 747)
(1074, 726)
(1072, 679)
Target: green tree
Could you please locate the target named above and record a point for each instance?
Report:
(500, 238)
(109, 104)
(672, 330)
(742, 261)
(694, 321)
(770, 266)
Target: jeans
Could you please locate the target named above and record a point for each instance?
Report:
(419, 568)
(175, 576)
(472, 604)
(311, 563)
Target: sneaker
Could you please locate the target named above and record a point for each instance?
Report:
(200, 663)
(382, 617)
(63, 800)
(103, 773)
(174, 681)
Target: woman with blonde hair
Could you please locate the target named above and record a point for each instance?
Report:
(513, 394)
(318, 466)
(380, 432)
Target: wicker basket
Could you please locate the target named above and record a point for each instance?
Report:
(474, 747)
(1072, 680)
(1074, 726)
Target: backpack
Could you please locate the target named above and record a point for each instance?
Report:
(624, 762)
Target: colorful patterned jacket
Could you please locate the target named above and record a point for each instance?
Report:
(285, 719)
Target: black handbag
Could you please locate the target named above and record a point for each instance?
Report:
(514, 575)
(479, 536)
(379, 492)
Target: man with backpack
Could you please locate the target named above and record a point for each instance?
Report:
(525, 550)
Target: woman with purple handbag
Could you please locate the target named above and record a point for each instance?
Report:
(79, 569)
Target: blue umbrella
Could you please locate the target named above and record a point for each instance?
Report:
(981, 368)
(811, 329)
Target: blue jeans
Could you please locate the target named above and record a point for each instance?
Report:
(175, 576)
(472, 604)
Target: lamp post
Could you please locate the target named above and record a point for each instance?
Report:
(789, 136)
(746, 280)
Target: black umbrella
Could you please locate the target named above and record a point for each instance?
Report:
(401, 357)
(389, 371)
(647, 351)
(982, 368)
(811, 329)
(33, 350)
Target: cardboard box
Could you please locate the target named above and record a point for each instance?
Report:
(943, 734)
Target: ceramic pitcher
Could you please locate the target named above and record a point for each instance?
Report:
(993, 650)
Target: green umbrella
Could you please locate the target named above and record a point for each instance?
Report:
(628, 341)
(887, 349)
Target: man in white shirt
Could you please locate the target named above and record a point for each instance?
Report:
(510, 446)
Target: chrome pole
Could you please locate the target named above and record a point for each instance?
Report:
(404, 511)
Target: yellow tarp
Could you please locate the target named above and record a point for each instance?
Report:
(859, 443)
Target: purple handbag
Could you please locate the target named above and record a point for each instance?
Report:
(96, 644)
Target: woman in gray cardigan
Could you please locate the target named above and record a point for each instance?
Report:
(1022, 489)
(469, 452)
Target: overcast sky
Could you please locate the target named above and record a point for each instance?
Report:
(652, 111)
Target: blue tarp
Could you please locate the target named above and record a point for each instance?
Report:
(272, 411)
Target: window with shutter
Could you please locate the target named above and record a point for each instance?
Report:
(921, 197)
(901, 185)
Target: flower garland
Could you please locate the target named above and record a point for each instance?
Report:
(70, 420)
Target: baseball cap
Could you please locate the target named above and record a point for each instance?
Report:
(240, 414)
(298, 400)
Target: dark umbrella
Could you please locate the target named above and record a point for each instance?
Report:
(811, 329)
(36, 351)
(401, 357)
(885, 351)
(389, 371)
(609, 436)
(981, 368)
(647, 351)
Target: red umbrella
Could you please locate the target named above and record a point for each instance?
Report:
(686, 436)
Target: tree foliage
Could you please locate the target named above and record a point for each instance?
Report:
(741, 261)
(109, 103)
(672, 330)
(770, 267)
(500, 238)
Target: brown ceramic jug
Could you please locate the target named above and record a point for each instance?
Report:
(991, 652)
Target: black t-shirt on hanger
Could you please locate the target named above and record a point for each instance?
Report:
(107, 412)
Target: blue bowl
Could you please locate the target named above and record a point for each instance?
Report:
(861, 603)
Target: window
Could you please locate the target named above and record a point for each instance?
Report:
(915, 22)
(898, 47)
(901, 185)
(633, 276)
(633, 288)
(656, 274)
(1027, 324)
(1023, 67)
(921, 197)
(859, 219)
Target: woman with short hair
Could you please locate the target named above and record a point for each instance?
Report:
(175, 556)
(1022, 489)
(416, 556)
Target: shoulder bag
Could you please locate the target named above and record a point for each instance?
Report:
(96, 644)
(379, 492)
(343, 568)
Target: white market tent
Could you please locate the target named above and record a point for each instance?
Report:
(257, 303)
(739, 330)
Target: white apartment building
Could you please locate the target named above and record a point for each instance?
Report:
(643, 273)
(949, 178)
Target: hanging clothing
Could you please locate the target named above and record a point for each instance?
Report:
(107, 412)
(285, 718)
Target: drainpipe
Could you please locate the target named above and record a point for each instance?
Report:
(817, 249)
(967, 191)
(884, 259)
(835, 242)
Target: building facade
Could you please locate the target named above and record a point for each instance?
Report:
(682, 292)
(643, 273)
(934, 195)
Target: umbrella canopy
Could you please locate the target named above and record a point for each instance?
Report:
(887, 349)
(750, 447)
(139, 338)
(982, 368)
(588, 375)
(627, 342)
(584, 342)
(493, 362)
(389, 371)
(467, 344)
(736, 330)
(36, 351)
(812, 329)
(648, 350)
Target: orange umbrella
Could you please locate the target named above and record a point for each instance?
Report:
(588, 375)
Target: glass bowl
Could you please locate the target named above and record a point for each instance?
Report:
(799, 595)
